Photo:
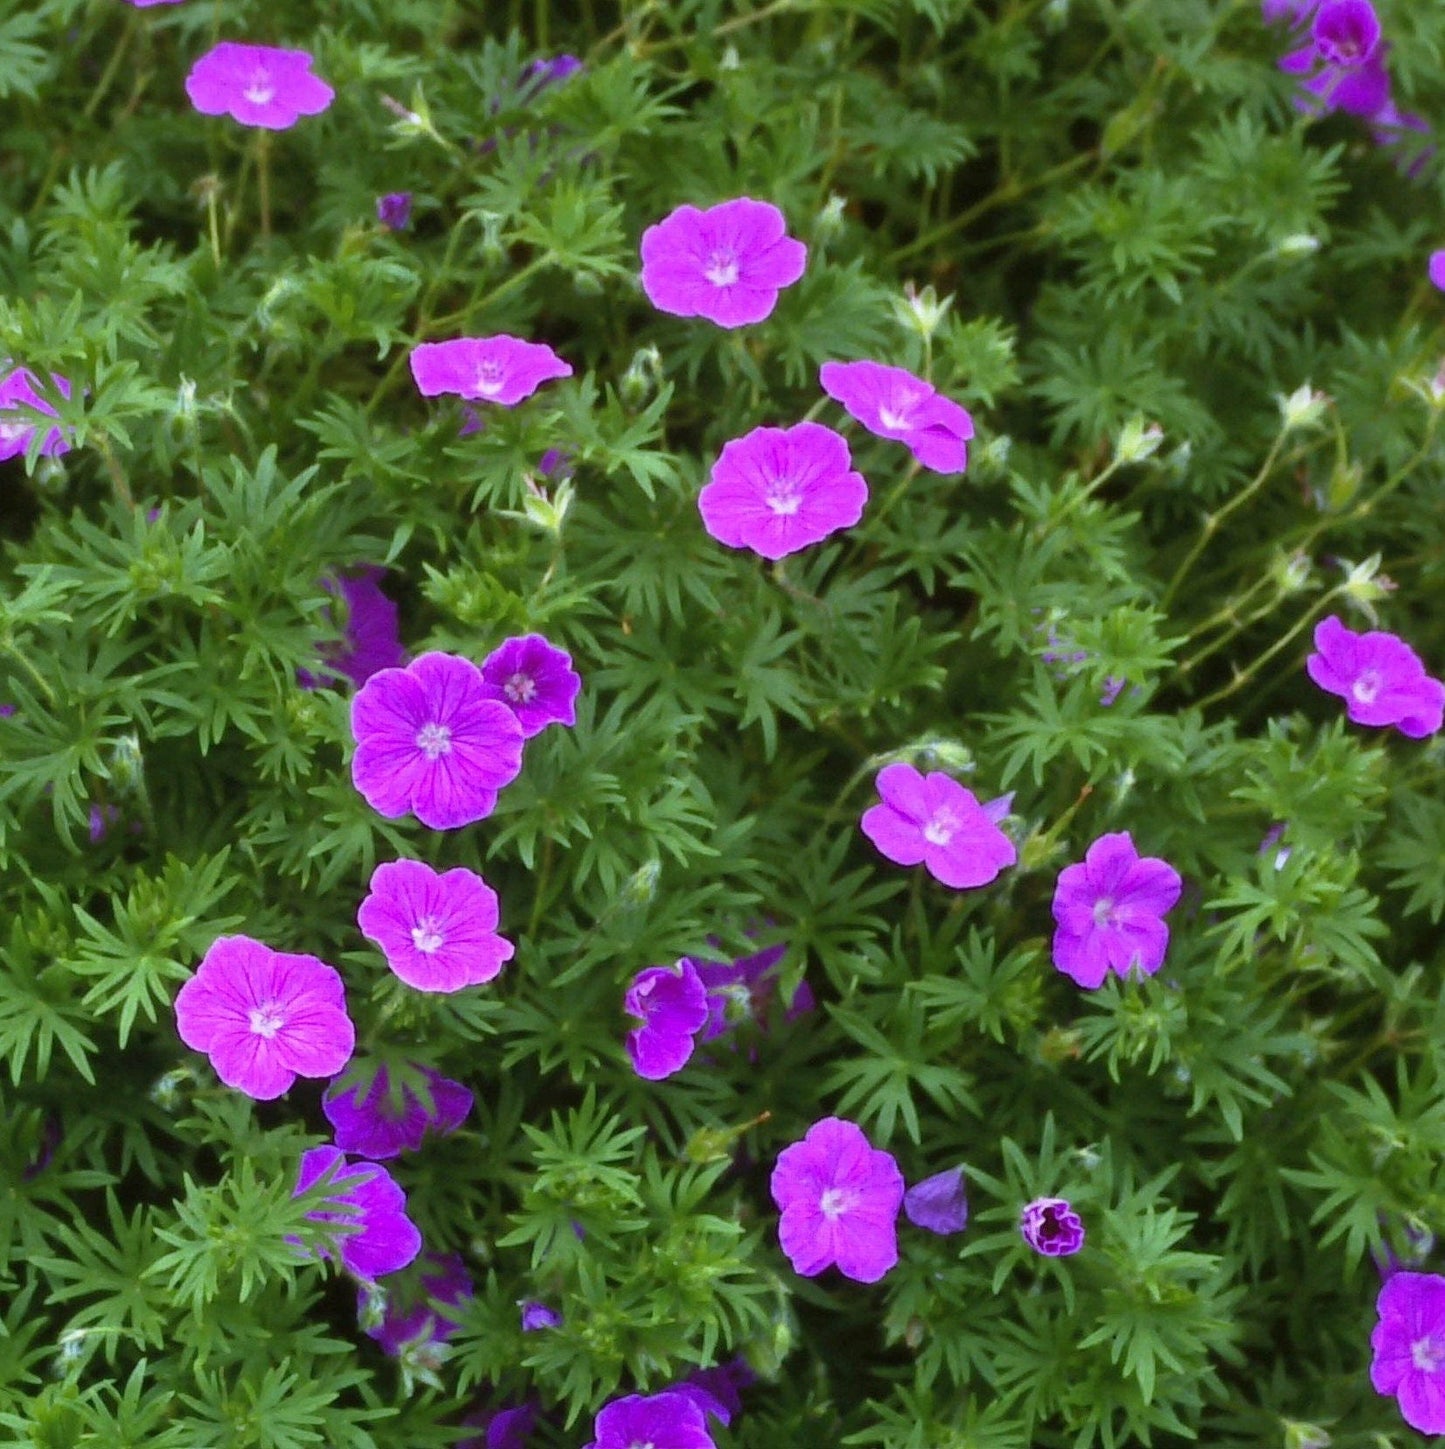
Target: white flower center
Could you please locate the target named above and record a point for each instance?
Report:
(898, 413)
(434, 740)
(426, 935)
(266, 1020)
(1367, 687)
(722, 268)
(489, 379)
(1427, 1353)
(260, 90)
(520, 688)
(10, 431)
(1104, 911)
(834, 1203)
(941, 827)
(782, 496)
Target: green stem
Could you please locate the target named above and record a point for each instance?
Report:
(112, 68)
(28, 665)
(263, 180)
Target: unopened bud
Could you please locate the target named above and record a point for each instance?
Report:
(642, 884)
(166, 1091)
(921, 312)
(544, 511)
(372, 1309)
(1299, 1435)
(830, 219)
(643, 376)
(1365, 585)
(1138, 440)
(1303, 408)
(1297, 244)
(950, 756)
(126, 766)
(1291, 572)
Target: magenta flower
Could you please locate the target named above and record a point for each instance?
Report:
(263, 1017)
(742, 990)
(499, 369)
(1110, 911)
(146, 4)
(716, 1390)
(777, 490)
(535, 680)
(939, 1203)
(537, 1316)
(429, 740)
(393, 210)
(369, 1120)
(1409, 1345)
(1437, 269)
(1344, 44)
(19, 402)
(437, 932)
(1346, 32)
(895, 404)
(839, 1198)
(1381, 679)
(727, 263)
(413, 1320)
(257, 85)
(663, 1421)
(381, 1238)
(372, 641)
(1051, 1226)
(549, 71)
(671, 1004)
(931, 819)
(502, 1428)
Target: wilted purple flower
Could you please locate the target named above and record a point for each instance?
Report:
(257, 85)
(1381, 679)
(438, 932)
(777, 490)
(1409, 1345)
(544, 73)
(931, 819)
(503, 1428)
(430, 741)
(17, 427)
(671, 1003)
(367, 1120)
(393, 210)
(264, 1017)
(716, 1390)
(1437, 269)
(372, 641)
(537, 1315)
(727, 263)
(535, 680)
(383, 1239)
(413, 1316)
(741, 990)
(1051, 1226)
(1110, 911)
(101, 818)
(500, 369)
(665, 1421)
(44, 1149)
(839, 1198)
(894, 403)
(939, 1203)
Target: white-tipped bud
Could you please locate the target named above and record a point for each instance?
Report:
(1303, 408)
(1138, 440)
(921, 312)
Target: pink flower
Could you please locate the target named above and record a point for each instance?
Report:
(535, 680)
(499, 369)
(265, 1018)
(19, 402)
(372, 639)
(777, 490)
(378, 1238)
(437, 932)
(1437, 269)
(1050, 1226)
(1409, 1345)
(668, 1420)
(672, 1006)
(257, 85)
(430, 741)
(895, 404)
(1110, 911)
(369, 1119)
(727, 263)
(839, 1198)
(932, 820)
(1381, 679)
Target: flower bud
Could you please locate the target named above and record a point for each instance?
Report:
(642, 884)
(1138, 440)
(643, 376)
(921, 312)
(126, 766)
(547, 513)
(950, 756)
(1297, 244)
(830, 220)
(1303, 408)
(1299, 1435)
(1365, 585)
(1291, 572)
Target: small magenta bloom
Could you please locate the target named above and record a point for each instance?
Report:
(1344, 44)
(727, 263)
(500, 369)
(431, 741)
(551, 71)
(537, 1316)
(777, 490)
(939, 1203)
(1437, 269)
(1409, 1345)
(669, 1420)
(257, 85)
(437, 932)
(264, 1017)
(1346, 32)
(393, 210)
(535, 680)
(19, 402)
(146, 4)
(367, 1120)
(931, 819)
(1381, 679)
(413, 1321)
(1051, 1226)
(716, 1391)
(372, 639)
(382, 1239)
(894, 403)
(671, 1004)
(1110, 911)
(502, 1428)
(839, 1198)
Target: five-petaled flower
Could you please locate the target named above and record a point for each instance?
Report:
(429, 740)
(265, 1017)
(413, 1320)
(535, 680)
(668, 1420)
(727, 263)
(777, 490)
(257, 85)
(839, 1198)
(376, 1235)
(438, 932)
(671, 1004)
(1381, 679)
(500, 369)
(1409, 1345)
(371, 1118)
(1110, 910)
(19, 402)
(933, 820)
(1051, 1226)
(893, 403)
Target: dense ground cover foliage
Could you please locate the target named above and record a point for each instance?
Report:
(720, 726)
